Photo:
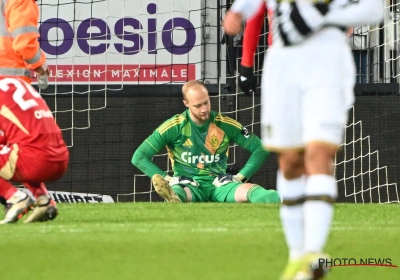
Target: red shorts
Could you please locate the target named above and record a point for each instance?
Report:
(27, 167)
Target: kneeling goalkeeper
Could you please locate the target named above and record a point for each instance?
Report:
(197, 142)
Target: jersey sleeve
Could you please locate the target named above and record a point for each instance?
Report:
(142, 159)
(258, 155)
(152, 145)
(23, 17)
(248, 141)
(251, 36)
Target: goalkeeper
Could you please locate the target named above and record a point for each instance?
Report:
(197, 142)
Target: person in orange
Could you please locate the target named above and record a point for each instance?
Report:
(20, 50)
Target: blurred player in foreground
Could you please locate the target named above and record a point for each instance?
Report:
(197, 142)
(20, 50)
(32, 151)
(309, 77)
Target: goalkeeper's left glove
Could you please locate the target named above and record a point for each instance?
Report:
(247, 80)
(224, 179)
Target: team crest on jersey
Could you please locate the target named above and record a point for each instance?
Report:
(214, 142)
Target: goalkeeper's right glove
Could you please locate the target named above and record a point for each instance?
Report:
(247, 80)
(224, 179)
(183, 181)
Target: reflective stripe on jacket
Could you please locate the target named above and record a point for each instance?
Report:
(19, 46)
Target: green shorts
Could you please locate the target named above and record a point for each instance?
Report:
(207, 192)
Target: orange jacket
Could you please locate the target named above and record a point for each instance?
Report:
(19, 47)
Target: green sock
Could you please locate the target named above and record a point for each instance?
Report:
(258, 194)
(180, 192)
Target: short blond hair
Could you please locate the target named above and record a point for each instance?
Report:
(192, 84)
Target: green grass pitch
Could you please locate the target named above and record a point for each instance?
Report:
(188, 241)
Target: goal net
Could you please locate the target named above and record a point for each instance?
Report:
(95, 47)
(366, 168)
(71, 35)
(105, 58)
(366, 165)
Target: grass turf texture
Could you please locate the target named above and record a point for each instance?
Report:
(187, 241)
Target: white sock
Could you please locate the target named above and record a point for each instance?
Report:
(318, 214)
(292, 216)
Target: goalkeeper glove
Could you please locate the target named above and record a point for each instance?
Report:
(183, 181)
(224, 179)
(247, 80)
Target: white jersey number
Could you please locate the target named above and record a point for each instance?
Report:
(18, 96)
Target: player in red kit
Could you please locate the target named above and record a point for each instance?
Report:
(33, 151)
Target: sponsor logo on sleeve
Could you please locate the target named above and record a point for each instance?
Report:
(245, 132)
